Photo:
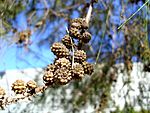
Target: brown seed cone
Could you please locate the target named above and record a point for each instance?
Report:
(86, 37)
(62, 76)
(48, 78)
(48, 74)
(75, 33)
(76, 23)
(60, 50)
(31, 85)
(79, 23)
(67, 41)
(84, 25)
(77, 71)
(88, 68)
(19, 87)
(50, 67)
(62, 63)
(2, 93)
(79, 56)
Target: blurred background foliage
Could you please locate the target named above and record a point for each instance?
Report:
(44, 22)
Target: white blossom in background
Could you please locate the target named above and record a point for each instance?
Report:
(131, 88)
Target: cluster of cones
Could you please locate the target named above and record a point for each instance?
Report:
(70, 62)
(20, 87)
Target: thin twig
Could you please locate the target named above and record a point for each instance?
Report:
(100, 47)
(103, 4)
(72, 47)
(99, 51)
(88, 16)
(132, 15)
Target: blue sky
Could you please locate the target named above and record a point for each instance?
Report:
(15, 57)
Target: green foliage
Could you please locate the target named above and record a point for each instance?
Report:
(131, 110)
(8, 11)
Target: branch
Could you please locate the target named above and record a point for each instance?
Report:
(132, 15)
(89, 13)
